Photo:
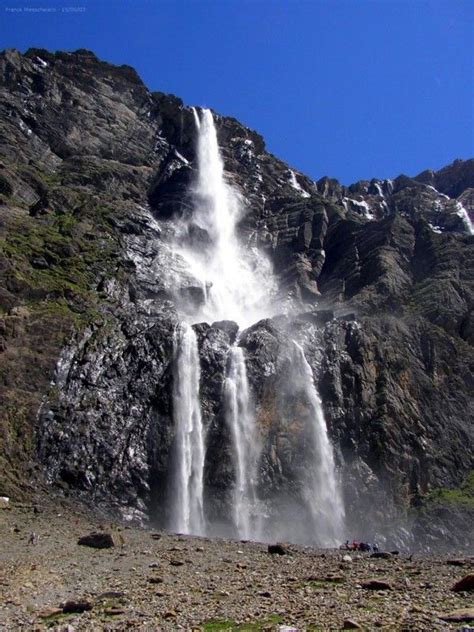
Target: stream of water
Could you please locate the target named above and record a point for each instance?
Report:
(238, 284)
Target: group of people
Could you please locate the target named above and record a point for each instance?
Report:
(355, 545)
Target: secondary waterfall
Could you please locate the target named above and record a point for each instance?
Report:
(241, 422)
(321, 491)
(188, 507)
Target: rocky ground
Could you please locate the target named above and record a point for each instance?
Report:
(157, 581)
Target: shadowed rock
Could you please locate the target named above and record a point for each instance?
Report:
(76, 606)
(278, 549)
(99, 540)
(458, 616)
(376, 584)
(464, 584)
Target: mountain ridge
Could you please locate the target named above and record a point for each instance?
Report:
(428, 175)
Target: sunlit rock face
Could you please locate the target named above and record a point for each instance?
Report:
(374, 281)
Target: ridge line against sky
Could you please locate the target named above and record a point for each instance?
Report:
(353, 89)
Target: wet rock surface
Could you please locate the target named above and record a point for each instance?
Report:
(94, 172)
(219, 582)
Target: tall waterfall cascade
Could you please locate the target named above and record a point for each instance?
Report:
(188, 507)
(237, 284)
(321, 491)
(237, 280)
(241, 421)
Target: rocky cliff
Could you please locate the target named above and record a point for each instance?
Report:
(94, 171)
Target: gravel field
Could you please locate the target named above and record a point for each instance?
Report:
(158, 581)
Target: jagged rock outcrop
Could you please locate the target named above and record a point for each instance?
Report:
(94, 171)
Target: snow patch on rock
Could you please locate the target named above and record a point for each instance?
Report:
(41, 62)
(442, 195)
(24, 127)
(358, 206)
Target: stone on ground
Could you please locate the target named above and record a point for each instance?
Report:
(278, 549)
(99, 540)
(458, 616)
(376, 584)
(464, 584)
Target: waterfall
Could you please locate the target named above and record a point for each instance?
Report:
(321, 490)
(239, 281)
(187, 514)
(240, 420)
(465, 217)
(236, 282)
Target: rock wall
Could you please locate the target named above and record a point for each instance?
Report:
(94, 171)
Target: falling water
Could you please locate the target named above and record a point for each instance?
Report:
(321, 491)
(187, 510)
(238, 282)
(465, 217)
(241, 421)
(237, 285)
(240, 285)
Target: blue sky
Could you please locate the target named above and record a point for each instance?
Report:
(347, 88)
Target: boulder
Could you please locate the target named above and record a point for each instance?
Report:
(376, 584)
(230, 327)
(457, 562)
(72, 606)
(464, 584)
(49, 612)
(99, 540)
(458, 616)
(113, 612)
(278, 549)
(350, 624)
(176, 562)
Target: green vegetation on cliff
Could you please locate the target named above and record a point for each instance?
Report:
(462, 496)
(55, 256)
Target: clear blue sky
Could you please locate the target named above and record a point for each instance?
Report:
(347, 88)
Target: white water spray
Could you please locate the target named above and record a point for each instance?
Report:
(321, 491)
(466, 220)
(246, 450)
(188, 507)
(238, 282)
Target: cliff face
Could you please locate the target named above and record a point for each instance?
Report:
(94, 170)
